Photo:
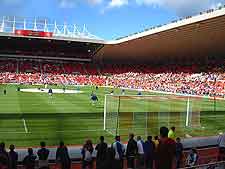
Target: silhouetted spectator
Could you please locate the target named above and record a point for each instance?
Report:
(101, 156)
(179, 152)
(62, 156)
(131, 151)
(43, 153)
(109, 158)
(86, 152)
(149, 149)
(156, 141)
(140, 153)
(192, 158)
(4, 91)
(221, 145)
(13, 157)
(172, 134)
(118, 151)
(4, 157)
(165, 152)
(29, 160)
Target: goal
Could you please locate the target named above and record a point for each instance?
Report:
(144, 114)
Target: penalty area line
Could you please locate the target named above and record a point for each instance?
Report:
(12, 132)
(25, 125)
(77, 131)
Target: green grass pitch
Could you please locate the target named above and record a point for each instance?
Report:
(28, 118)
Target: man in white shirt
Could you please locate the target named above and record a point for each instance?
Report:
(221, 145)
(118, 149)
(141, 155)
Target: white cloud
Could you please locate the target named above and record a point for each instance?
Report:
(183, 7)
(117, 3)
(67, 3)
(94, 2)
(73, 3)
(179, 7)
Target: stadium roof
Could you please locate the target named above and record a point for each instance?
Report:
(191, 38)
(10, 25)
(39, 39)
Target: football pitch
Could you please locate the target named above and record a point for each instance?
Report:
(26, 118)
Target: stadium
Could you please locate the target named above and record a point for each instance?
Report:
(168, 75)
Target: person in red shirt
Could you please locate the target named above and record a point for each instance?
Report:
(166, 150)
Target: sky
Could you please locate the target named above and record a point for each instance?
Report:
(107, 19)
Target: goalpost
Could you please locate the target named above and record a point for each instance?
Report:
(145, 113)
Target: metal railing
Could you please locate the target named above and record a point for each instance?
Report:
(212, 165)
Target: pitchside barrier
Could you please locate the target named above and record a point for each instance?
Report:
(143, 114)
(207, 159)
(212, 165)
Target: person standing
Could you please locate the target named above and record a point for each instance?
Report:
(109, 158)
(86, 152)
(149, 149)
(131, 151)
(4, 157)
(13, 157)
(62, 156)
(179, 152)
(172, 134)
(50, 92)
(165, 152)
(101, 156)
(156, 141)
(4, 91)
(43, 153)
(221, 145)
(29, 160)
(140, 154)
(118, 150)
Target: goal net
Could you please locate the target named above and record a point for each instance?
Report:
(145, 114)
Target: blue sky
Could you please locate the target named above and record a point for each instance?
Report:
(108, 19)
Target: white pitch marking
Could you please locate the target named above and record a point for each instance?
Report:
(110, 132)
(75, 131)
(188, 136)
(12, 132)
(25, 125)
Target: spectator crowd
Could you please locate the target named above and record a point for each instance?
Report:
(195, 80)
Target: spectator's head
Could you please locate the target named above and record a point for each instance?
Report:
(117, 138)
(149, 138)
(61, 144)
(131, 136)
(178, 140)
(156, 137)
(12, 147)
(101, 138)
(2, 146)
(42, 144)
(30, 151)
(173, 128)
(88, 142)
(194, 150)
(164, 132)
(138, 138)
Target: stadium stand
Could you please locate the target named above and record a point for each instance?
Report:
(194, 79)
